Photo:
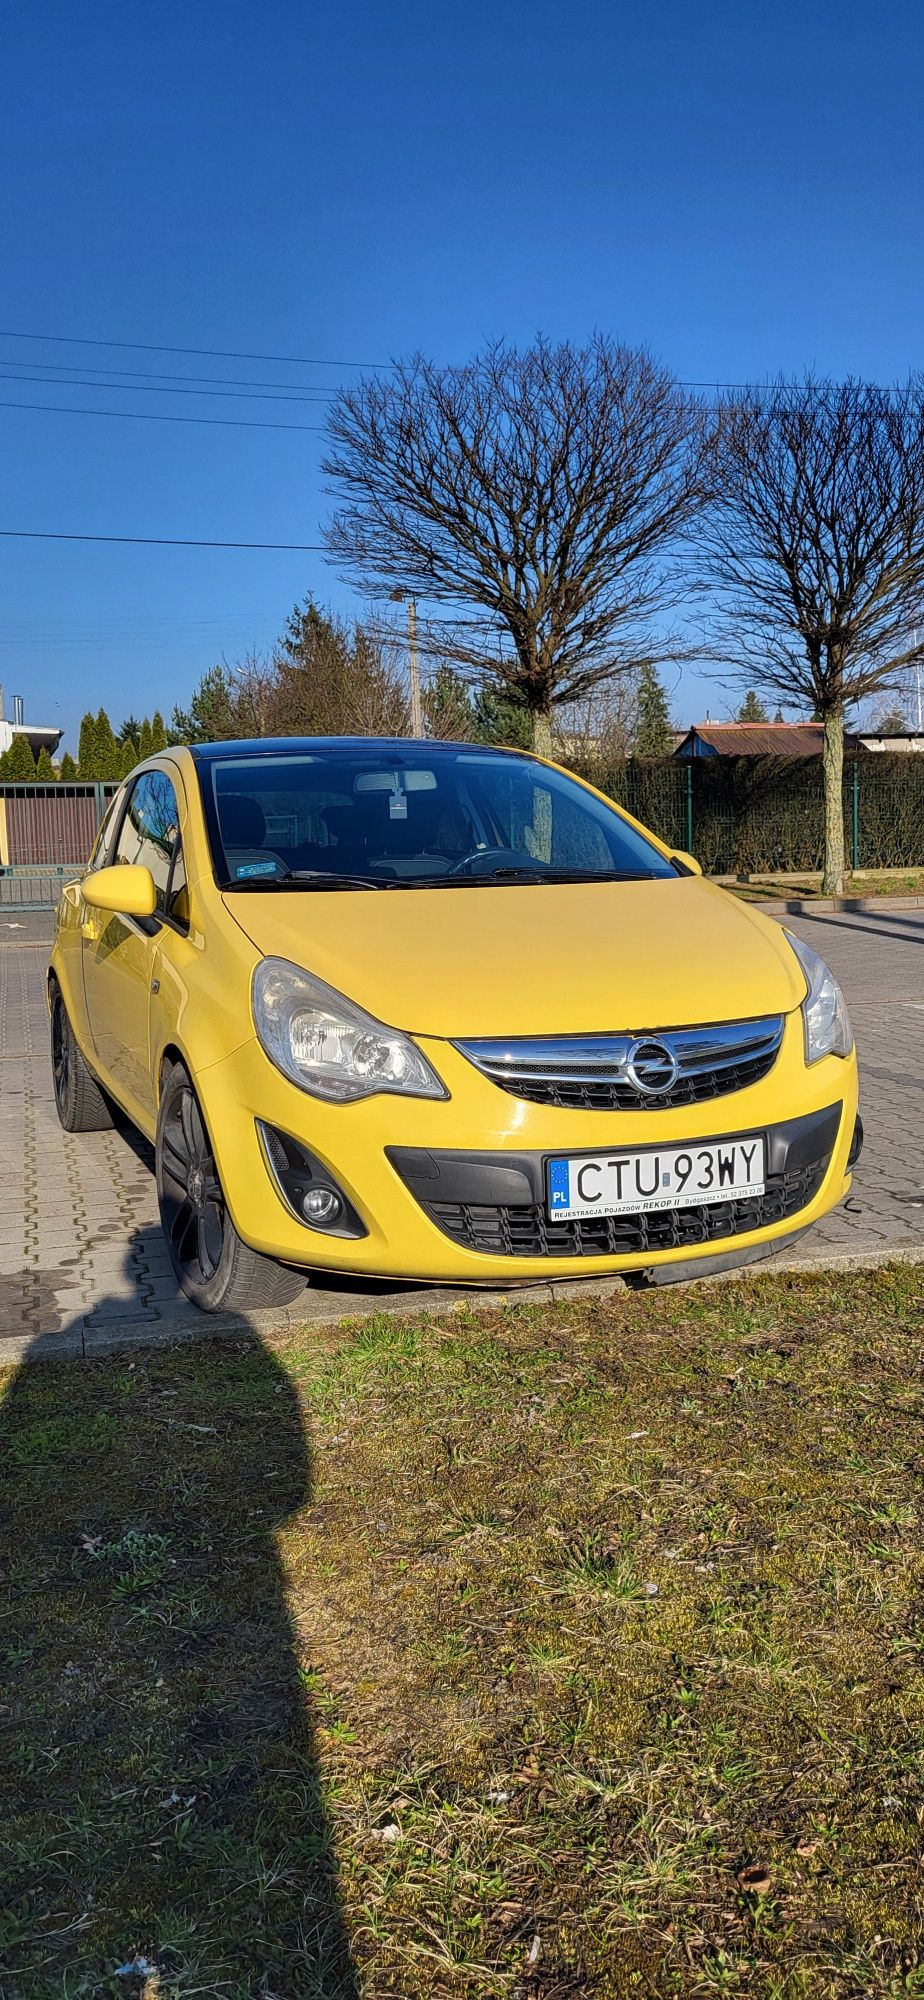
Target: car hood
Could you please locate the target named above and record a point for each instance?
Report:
(569, 958)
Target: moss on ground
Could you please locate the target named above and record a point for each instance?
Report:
(552, 1652)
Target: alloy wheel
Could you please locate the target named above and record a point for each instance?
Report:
(193, 1203)
(60, 1051)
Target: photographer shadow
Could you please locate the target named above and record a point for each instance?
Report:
(165, 1824)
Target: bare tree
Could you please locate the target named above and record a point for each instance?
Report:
(597, 732)
(813, 547)
(541, 489)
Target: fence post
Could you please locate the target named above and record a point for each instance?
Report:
(856, 814)
(689, 767)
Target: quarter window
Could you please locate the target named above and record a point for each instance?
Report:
(150, 831)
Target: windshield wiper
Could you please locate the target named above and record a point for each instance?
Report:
(317, 878)
(314, 878)
(525, 874)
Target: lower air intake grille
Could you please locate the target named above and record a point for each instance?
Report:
(508, 1231)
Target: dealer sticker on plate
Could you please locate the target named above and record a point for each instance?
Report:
(630, 1183)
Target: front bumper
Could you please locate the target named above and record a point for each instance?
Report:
(376, 1150)
(495, 1203)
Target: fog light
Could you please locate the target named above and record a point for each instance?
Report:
(307, 1187)
(321, 1204)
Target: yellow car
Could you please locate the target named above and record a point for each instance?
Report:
(442, 1012)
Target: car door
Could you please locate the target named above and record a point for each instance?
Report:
(119, 951)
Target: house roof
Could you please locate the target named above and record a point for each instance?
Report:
(760, 739)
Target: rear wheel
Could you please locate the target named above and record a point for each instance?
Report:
(81, 1105)
(215, 1268)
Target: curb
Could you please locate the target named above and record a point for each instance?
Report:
(862, 906)
(98, 1343)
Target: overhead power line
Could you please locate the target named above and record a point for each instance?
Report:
(161, 389)
(211, 353)
(160, 417)
(156, 541)
(127, 375)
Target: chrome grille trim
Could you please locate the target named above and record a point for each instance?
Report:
(591, 1072)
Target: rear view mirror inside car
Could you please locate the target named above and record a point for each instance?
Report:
(395, 781)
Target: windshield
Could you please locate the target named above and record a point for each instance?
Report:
(411, 817)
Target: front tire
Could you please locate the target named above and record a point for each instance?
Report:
(215, 1268)
(81, 1104)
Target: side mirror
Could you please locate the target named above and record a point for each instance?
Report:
(687, 862)
(128, 890)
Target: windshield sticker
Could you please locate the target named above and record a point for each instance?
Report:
(255, 868)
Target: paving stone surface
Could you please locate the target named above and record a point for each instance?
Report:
(83, 1265)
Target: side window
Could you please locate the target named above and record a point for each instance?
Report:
(100, 848)
(150, 829)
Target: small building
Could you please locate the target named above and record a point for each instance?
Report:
(38, 735)
(756, 739)
(899, 739)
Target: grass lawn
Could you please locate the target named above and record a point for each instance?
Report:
(555, 1651)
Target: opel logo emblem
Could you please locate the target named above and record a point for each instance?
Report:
(652, 1068)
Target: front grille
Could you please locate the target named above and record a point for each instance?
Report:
(526, 1231)
(593, 1072)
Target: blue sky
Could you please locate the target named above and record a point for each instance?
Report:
(736, 186)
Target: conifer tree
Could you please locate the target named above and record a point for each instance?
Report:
(68, 771)
(21, 763)
(107, 750)
(87, 758)
(145, 741)
(752, 709)
(498, 719)
(653, 735)
(45, 771)
(448, 706)
(158, 734)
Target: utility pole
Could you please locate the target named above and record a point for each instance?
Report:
(414, 668)
(413, 660)
(917, 678)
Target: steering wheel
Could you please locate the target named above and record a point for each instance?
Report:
(489, 855)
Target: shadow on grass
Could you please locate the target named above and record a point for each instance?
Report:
(162, 1803)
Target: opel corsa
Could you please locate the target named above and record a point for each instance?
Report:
(439, 1012)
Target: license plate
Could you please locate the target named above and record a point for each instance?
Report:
(632, 1183)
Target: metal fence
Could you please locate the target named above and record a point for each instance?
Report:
(46, 833)
(765, 815)
(739, 816)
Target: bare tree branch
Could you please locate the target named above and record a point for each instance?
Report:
(812, 548)
(540, 488)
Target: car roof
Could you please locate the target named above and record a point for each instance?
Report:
(275, 746)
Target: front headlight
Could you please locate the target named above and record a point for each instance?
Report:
(824, 1010)
(330, 1047)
